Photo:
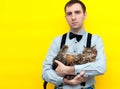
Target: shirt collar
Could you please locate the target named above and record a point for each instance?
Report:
(82, 32)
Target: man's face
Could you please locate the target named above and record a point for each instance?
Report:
(75, 16)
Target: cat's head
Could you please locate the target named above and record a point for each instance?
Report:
(90, 50)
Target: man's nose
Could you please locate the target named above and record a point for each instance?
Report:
(73, 17)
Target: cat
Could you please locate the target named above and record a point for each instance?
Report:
(88, 55)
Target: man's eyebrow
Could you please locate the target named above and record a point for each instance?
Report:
(77, 10)
(69, 12)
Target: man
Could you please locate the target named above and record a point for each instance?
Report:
(75, 13)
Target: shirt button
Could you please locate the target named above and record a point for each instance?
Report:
(75, 42)
(74, 51)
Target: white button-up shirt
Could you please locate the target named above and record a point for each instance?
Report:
(92, 69)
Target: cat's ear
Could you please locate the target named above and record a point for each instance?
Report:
(94, 47)
(84, 46)
(64, 48)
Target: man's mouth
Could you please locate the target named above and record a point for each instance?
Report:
(74, 23)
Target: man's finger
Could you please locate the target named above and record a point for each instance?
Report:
(82, 73)
(67, 81)
(58, 62)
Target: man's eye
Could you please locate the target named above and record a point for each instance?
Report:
(69, 13)
(77, 12)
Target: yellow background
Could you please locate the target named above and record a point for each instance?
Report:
(27, 28)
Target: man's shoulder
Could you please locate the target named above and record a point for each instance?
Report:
(96, 38)
(59, 37)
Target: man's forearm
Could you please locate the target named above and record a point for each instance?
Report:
(70, 70)
(77, 79)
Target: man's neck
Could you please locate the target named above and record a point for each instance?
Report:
(76, 31)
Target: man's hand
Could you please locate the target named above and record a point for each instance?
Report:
(63, 70)
(77, 80)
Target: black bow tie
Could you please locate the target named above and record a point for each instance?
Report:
(72, 35)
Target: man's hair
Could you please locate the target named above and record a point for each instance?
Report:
(71, 2)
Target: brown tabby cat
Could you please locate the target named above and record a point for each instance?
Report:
(88, 55)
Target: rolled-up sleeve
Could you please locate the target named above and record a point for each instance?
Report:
(48, 74)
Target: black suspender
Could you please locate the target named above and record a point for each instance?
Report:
(63, 40)
(45, 84)
(89, 40)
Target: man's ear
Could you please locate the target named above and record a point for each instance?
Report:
(85, 15)
(65, 16)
